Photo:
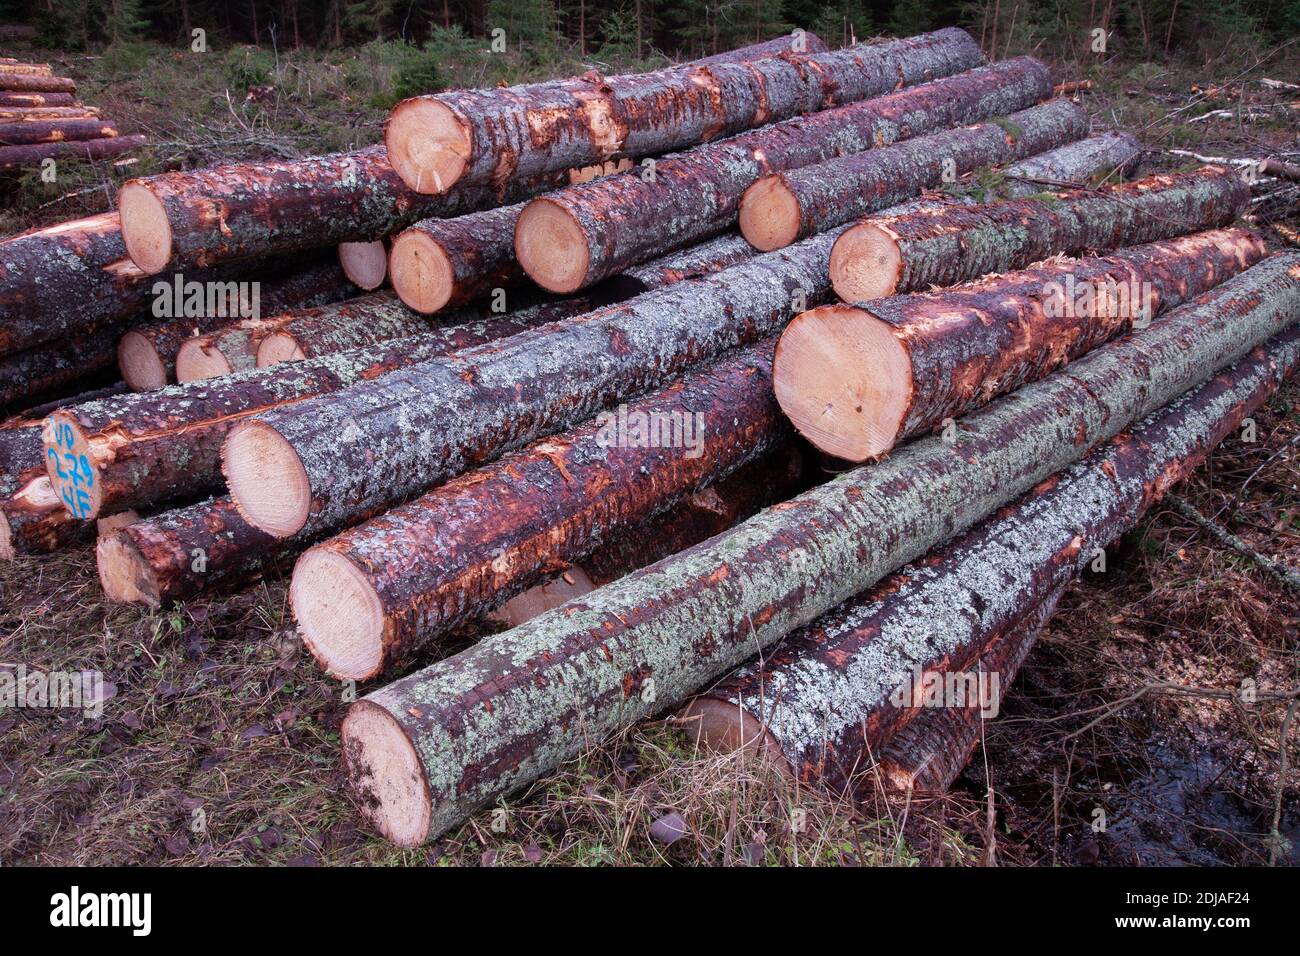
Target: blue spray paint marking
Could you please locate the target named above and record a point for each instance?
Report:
(75, 483)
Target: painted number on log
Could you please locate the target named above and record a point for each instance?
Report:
(75, 476)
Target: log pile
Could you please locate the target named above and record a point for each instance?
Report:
(623, 309)
(40, 119)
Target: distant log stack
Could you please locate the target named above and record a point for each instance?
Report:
(39, 120)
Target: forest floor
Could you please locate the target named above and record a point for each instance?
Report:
(219, 739)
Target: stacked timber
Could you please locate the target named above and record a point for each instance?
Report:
(40, 119)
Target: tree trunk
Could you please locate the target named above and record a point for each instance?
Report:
(368, 599)
(244, 210)
(24, 114)
(429, 749)
(581, 234)
(440, 263)
(25, 376)
(946, 244)
(27, 132)
(494, 136)
(315, 465)
(1074, 164)
(17, 157)
(784, 207)
(853, 673)
(35, 83)
(36, 99)
(856, 381)
(32, 519)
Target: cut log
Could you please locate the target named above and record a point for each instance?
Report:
(582, 234)
(148, 448)
(35, 99)
(232, 348)
(859, 673)
(586, 174)
(930, 752)
(368, 599)
(36, 83)
(784, 207)
(26, 113)
(318, 464)
(32, 131)
(147, 355)
(427, 750)
(857, 380)
(29, 375)
(25, 69)
(490, 137)
(32, 519)
(365, 263)
(799, 42)
(439, 263)
(275, 208)
(946, 244)
(1102, 157)
(18, 157)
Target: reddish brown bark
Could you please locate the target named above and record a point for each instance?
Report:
(32, 131)
(16, 157)
(32, 519)
(37, 372)
(35, 83)
(35, 99)
(442, 263)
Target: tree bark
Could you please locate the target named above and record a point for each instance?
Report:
(429, 749)
(432, 421)
(26, 376)
(491, 137)
(784, 207)
(852, 674)
(1074, 164)
(35, 99)
(24, 69)
(35, 83)
(24, 114)
(31, 131)
(778, 46)
(458, 551)
(441, 263)
(578, 235)
(857, 381)
(244, 210)
(32, 519)
(16, 157)
(949, 243)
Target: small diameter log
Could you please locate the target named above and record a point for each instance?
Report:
(54, 131)
(836, 690)
(784, 207)
(490, 137)
(1075, 164)
(245, 210)
(365, 262)
(439, 263)
(579, 235)
(368, 599)
(946, 244)
(231, 348)
(36, 83)
(857, 380)
(25, 69)
(19, 157)
(26, 113)
(35, 99)
(32, 519)
(429, 749)
(147, 355)
(931, 751)
(318, 465)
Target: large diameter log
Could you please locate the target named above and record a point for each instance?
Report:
(947, 244)
(36, 83)
(857, 380)
(581, 234)
(784, 207)
(318, 465)
(439, 263)
(244, 210)
(54, 131)
(494, 136)
(837, 689)
(35, 99)
(17, 157)
(146, 355)
(429, 749)
(368, 599)
(799, 42)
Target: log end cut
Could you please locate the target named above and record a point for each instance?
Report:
(124, 573)
(199, 358)
(865, 263)
(146, 230)
(339, 614)
(141, 366)
(266, 478)
(364, 263)
(724, 727)
(422, 272)
(769, 214)
(844, 380)
(428, 144)
(70, 463)
(278, 347)
(551, 246)
(385, 772)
